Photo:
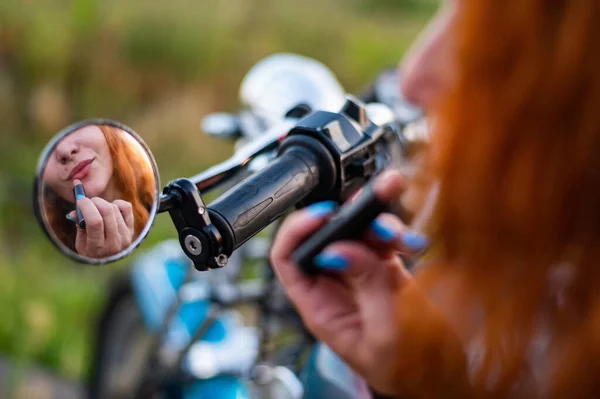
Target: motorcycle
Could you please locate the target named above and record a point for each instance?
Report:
(168, 330)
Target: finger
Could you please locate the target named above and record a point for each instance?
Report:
(111, 230)
(126, 210)
(125, 233)
(389, 185)
(373, 279)
(94, 223)
(389, 233)
(299, 226)
(385, 233)
(293, 231)
(359, 264)
(81, 242)
(72, 216)
(356, 195)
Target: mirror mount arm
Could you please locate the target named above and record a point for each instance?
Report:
(199, 238)
(167, 202)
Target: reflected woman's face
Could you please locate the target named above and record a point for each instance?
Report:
(83, 155)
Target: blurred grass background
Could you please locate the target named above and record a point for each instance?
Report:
(157, 67)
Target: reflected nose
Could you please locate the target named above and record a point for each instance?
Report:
(66, 150)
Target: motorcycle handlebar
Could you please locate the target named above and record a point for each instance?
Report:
(303, 169)
(325, 156)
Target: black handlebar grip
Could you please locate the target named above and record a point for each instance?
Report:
(256, 202)
(350, 222)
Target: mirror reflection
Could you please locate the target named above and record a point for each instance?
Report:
(99, 190)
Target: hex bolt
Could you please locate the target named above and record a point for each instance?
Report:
(193, 245)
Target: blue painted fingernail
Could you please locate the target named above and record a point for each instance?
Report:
(80, 196)
(382, 231)
(321, 209)
(331, 261)
(415, 241)
(69, 217)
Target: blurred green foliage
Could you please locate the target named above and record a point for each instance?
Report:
(157, 67)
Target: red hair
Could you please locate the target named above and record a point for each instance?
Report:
(517, 155)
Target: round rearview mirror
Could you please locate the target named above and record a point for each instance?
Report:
(96, 191)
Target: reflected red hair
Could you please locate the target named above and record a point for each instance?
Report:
(134, 179)
(517, 155)
(133, 174)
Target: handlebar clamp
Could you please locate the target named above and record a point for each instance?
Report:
(200, 239)
(350, 138)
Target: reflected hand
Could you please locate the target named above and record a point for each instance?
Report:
(351, 306)
(109, 227)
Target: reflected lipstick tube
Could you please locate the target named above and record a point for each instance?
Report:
(79, 194)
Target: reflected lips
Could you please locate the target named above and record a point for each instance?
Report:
(80, 170)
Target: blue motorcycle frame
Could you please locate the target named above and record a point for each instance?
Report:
(159, 275)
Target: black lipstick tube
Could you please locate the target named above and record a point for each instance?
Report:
(350, 222)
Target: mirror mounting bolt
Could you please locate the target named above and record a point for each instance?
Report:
(193, 245)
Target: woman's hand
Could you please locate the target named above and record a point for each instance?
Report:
(351, 305)
(109, 227)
